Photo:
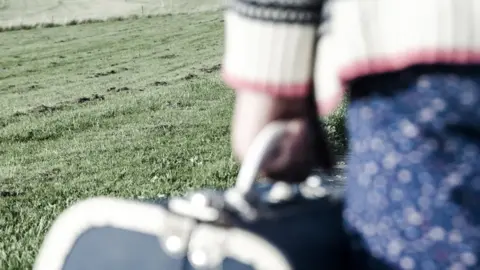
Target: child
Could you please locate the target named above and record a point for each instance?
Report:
(412, 74)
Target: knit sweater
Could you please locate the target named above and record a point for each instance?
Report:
(282, 47)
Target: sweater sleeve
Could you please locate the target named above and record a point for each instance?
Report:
(269, 45)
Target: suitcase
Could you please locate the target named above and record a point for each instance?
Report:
(253, 225)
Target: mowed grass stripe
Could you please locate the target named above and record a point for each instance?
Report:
(133, 109)
(158, 47)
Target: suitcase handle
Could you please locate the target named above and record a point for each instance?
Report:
(241, 198)
(209, 206)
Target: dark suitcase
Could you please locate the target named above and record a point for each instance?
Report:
(250, 226)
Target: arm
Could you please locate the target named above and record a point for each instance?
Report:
(269, 51)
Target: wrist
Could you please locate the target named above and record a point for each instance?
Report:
(254, 110)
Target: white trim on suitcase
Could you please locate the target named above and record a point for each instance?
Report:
(92, 213)
(151, 219)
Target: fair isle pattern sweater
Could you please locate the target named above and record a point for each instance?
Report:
(282, 47)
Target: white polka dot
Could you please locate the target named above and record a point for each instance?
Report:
(424, 202)
(394, 248)
(380, 182)
(427, 189)
(454, 179)
(426, 115)
(366, 113)
(396, 194)
(455, 237)
(387, 221)
(409, 129)
(407, 263)
(413, 217)
(373, 198)
(439, 104)
(415, 157)
(469, 258)
(437, 234)
(364, 180)
(424, 83)
(382, 228)
(359, 147)
(468, 98)
(457, 266)
(376, 144)
(356, 146)
(369, 230)
(441, 197)
(371, 168)
(420, 245)
(404, 176)
(390, 160)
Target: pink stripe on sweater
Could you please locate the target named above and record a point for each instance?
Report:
(358, 69)
(276, 89)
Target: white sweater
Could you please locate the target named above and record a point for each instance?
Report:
(283, 46)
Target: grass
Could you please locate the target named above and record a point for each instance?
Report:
(122, 109)
(129, 109)
(28, 12)
(21, 26)
(336, 129)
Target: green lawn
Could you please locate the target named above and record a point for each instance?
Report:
(59, 11)
(134, 109)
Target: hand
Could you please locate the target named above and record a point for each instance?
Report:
(296, 154)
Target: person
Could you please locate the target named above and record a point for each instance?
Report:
(411, 71)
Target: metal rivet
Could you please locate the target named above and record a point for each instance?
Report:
(314, 181)
(199, 199)
(198, 258)
(174, 244)
(280, 192)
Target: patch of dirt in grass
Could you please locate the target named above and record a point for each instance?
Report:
(94, 97)
(211, 69)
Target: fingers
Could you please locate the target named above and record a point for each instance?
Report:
(301, 149)
(295, 156)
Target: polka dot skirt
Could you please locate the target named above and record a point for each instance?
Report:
(413, 194)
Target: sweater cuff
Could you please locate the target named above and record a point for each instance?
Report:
(267, 55)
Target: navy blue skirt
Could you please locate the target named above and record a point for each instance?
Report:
(413, 191)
